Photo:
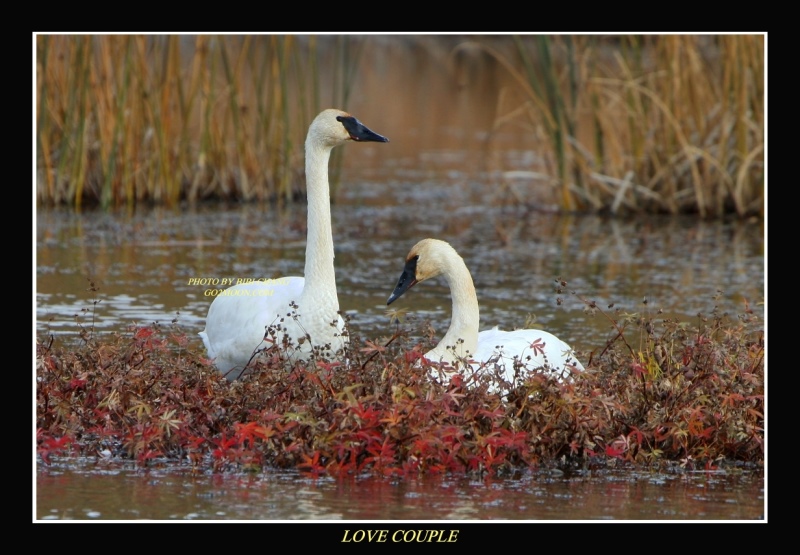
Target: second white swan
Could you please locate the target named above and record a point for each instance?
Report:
(490, 350)
(302, 311)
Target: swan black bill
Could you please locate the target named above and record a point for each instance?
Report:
(360, 132)
(407, 280)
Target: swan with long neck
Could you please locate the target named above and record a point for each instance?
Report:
(463, 344)
(300, 314)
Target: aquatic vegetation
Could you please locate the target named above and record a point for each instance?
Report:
(627, 123)
(659, 394)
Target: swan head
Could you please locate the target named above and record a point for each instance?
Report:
(334, 127)
(427, 259)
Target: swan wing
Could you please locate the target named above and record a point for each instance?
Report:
(238, 318)
(535, 349)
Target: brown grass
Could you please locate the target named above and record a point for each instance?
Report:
(128, 119)
(670, 124)
(628, 123)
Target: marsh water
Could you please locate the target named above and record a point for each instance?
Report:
(439, 177)
(92, 490)
(165, 266)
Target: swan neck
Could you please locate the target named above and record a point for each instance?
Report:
(319, 272)
(466, 313)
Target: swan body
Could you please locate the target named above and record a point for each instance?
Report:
(493, 350)
(302, 312)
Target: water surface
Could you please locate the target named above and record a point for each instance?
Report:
(85, 490)
(147, 267)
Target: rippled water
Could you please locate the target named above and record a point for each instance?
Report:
(85, 490)
(146, 266)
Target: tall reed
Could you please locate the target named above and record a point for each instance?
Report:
(124, 119)
(669, 123)
(623, 123)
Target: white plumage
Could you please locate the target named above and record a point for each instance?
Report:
(303, 311)
(488, 351)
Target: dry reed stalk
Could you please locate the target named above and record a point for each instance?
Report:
(197, 95)
(123, 119)
(680, 116)
(79, 116)
(282, 49)
(43, 123)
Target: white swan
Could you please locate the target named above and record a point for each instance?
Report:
(488, 351)
(303, 312)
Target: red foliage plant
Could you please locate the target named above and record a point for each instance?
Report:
(687, 395)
